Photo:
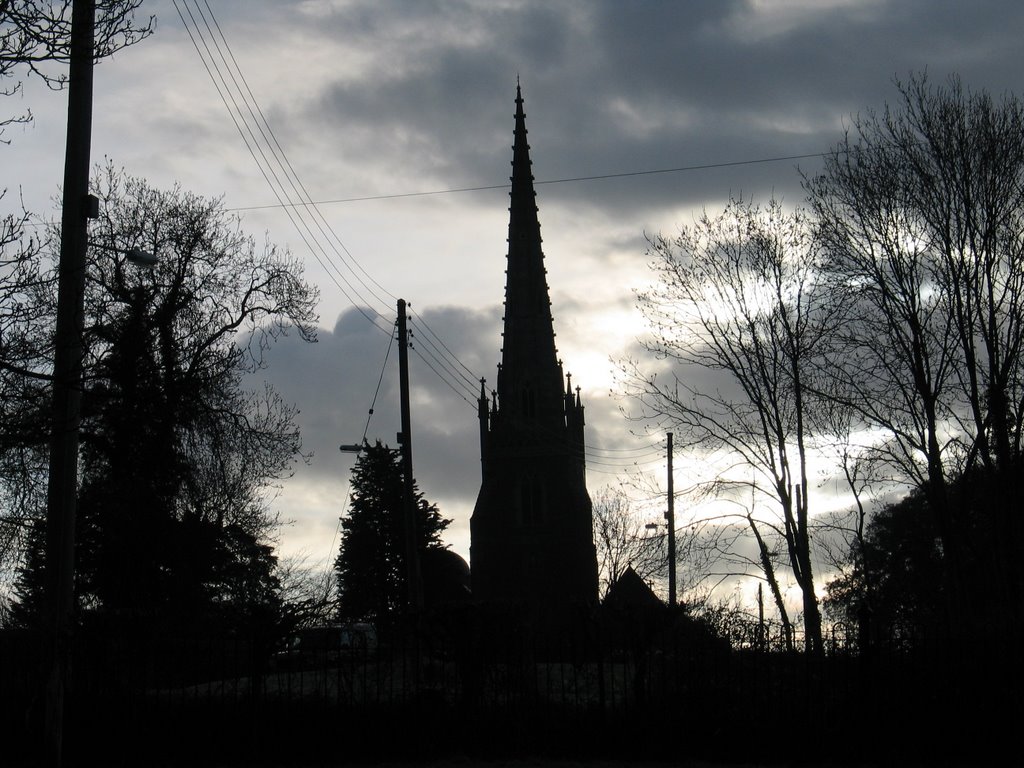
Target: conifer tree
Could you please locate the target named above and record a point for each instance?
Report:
(370, 567)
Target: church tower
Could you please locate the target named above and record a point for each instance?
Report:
(531, 530)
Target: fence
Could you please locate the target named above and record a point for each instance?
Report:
(581, 689)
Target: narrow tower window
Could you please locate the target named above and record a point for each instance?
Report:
(532, 500)
(529, 401)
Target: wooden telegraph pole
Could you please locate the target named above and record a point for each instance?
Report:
(412, 555)
(670, 518)
(67, 378)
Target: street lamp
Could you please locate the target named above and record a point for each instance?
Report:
(141, 258)
(137, 256)
(670, 525)
(654, 531)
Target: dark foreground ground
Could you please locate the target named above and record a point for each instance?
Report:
(463, 762)
(586, 698)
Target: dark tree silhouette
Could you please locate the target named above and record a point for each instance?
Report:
(891, 591)
(25, 362)
(920, 209)
(176, 452)
(893, 587)
(35, 43)
(371, 561)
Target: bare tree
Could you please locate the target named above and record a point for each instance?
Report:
(719, 539)
(309, 594)
(35, 42)
(174, 442)
(853, 473)
(623, 540)
(25, 359)
(36, 34)
(921, 210)
(736, 296)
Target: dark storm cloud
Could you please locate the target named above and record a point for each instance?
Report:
(422, 98)
(705, 92)
(617, 87)
(333, 384)
(440, 99)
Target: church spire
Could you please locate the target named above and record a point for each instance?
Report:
(531, 527)
(530, 382)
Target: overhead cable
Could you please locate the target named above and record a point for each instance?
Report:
(448, 358)
(272, 167)
(366, 429)
(355, 283)
(567, 180)
(305, 199)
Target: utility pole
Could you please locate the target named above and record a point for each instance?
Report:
(670, 517)
(760, 617)
(412, 555)
(67, 377)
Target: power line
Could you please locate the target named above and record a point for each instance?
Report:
(441, 376)
(373, 403)
(293, 197)
(291, 193)
(275, 167)
(567, 180)
(446, 358)
(306, 198)
(651, 449)
(280, 157)
(366, 429)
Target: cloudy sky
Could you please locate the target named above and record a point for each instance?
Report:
(374, 100)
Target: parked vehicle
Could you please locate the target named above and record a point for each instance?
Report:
(328, 644)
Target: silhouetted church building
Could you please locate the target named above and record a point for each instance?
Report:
(532, 539)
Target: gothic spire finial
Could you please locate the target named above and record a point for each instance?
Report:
(531, 376)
